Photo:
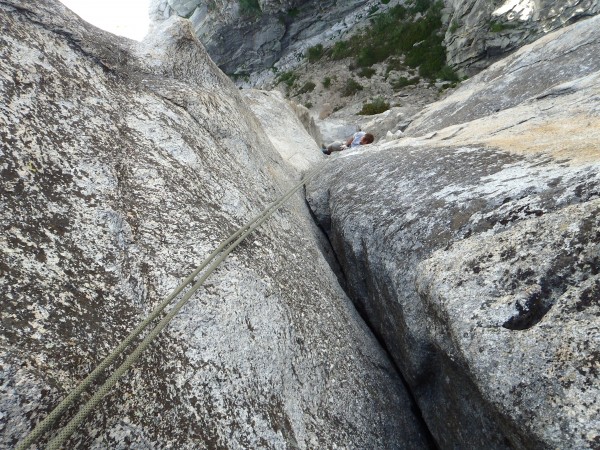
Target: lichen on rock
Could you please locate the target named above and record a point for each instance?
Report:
(123, 165)
(471, 247)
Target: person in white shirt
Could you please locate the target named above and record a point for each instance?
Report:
(358, 138)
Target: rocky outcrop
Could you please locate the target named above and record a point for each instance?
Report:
(289, 126)
(247, 37)
(472, 249)
(480, 32)
(242, 40)
(122, 167)
(563, 64)
(307, 120)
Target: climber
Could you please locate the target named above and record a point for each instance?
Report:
(358, 138)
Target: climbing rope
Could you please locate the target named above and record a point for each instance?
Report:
(224, 251)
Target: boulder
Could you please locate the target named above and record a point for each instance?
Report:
(123, 166)
(471, 248)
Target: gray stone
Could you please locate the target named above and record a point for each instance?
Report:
(524, 75)
(472, 250)
(183, 8)
(501, 306)
(242, 43)
(308, 121)
(480, 32)
(122, 167)
(289, 135)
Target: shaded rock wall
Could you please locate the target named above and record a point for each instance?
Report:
(122, 167)
(478, 33)
(244, 42)
(472, 249)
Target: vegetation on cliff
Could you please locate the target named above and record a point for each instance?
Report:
(396, 50)
(250, 7)
(412, 33)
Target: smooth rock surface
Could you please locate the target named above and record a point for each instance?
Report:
(472, 248)
(122, 167)
(288, 134)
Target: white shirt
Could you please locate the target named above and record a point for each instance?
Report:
(356, 138)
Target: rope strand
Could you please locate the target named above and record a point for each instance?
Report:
(57, 412)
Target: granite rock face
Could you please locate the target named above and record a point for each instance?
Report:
(244, 40)
(123, 165)
(556, 67)
(289, 126)
(473, 249)
(479, 32)
(247, 40)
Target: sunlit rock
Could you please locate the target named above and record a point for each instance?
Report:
(123, 166)
(472, 247)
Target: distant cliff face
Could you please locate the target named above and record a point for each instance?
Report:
(244, 36)
(481, 32)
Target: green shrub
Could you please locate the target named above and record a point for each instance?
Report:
(497, 27)
(429, 58)
(376, 107)
(326, 82)
(293, 12)
(243, 76)
(397, 33)
(308, 105)
(315, 53)
(372, 10)
(366, 72)
(385, 2)
(403, 82)
(394, 64)
(250, 7)
(371, 55)
(350, 88)
(454, 26)
(420, 6)
(309, 86)
(448, 74)
(447, 86)
(341, 50)
(289, 78)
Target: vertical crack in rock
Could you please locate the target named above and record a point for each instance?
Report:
(473, 263)
(331, 257)
(110, 195)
